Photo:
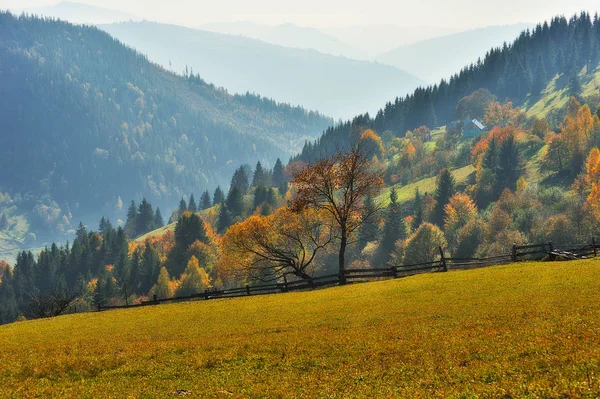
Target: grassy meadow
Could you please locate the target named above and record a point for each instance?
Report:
(529, 330)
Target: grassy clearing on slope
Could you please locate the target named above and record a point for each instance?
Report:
(407, 192)
(523, 330)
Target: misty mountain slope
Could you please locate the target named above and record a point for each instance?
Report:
(335, 86)
(289, 35)
(80, 13)
(440, 57)
(87, 123)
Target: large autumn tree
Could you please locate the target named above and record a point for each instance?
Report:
(338, 187)
(267, 248)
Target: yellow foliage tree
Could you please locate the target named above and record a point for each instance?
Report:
(593, 174)
(194, 279)
(267, 248)
(163, 288)
(459, 211)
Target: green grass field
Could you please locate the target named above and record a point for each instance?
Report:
(519, 331)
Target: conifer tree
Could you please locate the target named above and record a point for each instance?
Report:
(278, 176)
(158, 219)
(192, 207)
(259, 177)
(235, 202)
(218, 196)
(445, 189)
(182, 206)
(239, 180)
(393, 229)
(205, 200)
(417, 209)
(508, 165)
(145, 218)
(9, 309)
(131, 224)
(224, 219)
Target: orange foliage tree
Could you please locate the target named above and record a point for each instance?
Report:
(338, 186)
(459, 211)
(593, 174)
(267, 248)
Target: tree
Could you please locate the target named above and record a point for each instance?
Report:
(149, 268)
(259, 177)
(267, 248)
(469, 238)
(445, 189)
(459, 211)
(163, 288)
(418, 211)
(423, 245)
(508, 165)
(224, 218)
(145, 218)
(9, 310)
(556, 156)
(235, 202)
(593, 176)
(338, 186)
(192, 207)
(182, 206)
(474, 105)
(188, 229)
(131, 224)
(158, 219)
(239, 180)
(194, 279)
(205, 200)
(278, 174)
(540, 77)
(371, 145)
(218, 196)
(393, 229)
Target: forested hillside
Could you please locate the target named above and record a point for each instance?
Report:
(87, 123)
(517, 72)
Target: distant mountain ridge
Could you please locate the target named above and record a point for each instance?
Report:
(440, 57)
(336, 86)
(290, 35)
(80, 13)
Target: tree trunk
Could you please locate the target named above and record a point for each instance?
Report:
(342, 260)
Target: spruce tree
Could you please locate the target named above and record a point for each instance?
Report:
(224, 219)
(540, 77)
(393, 229)
(259, 177)
(235, 202)
(192, 207)
(239, 180)
(218, 196)
(182, 206)
(131, 224)
(445, 189)
(508, 165)
(145, 219)
(9, 307)
(205, 200)
(260, 195)
(417, 209)
(158, 219)
(278, 176)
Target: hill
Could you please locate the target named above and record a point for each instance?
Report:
(80, 13)
(439, 58)
(289, 35)
(516, 72)
(88, 123)
(335, 86)
(524, 330)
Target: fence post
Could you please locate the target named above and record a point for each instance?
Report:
(514, 253)
(206, 294)
(394, 271)
(443, 260)
(311, 283)
(551, 245)
(285, 282)
(594, 246)
(155, 299)
(247, 289)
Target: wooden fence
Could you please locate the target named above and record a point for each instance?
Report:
(518, 254)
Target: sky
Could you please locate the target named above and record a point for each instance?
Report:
(327, 13)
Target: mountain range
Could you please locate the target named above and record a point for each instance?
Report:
(336, 86)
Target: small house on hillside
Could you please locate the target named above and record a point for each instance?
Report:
(472, 128)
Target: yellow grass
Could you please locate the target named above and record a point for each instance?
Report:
(524, 330)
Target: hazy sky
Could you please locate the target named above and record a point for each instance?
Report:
(323, 13)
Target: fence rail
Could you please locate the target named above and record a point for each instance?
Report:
(518, 254)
